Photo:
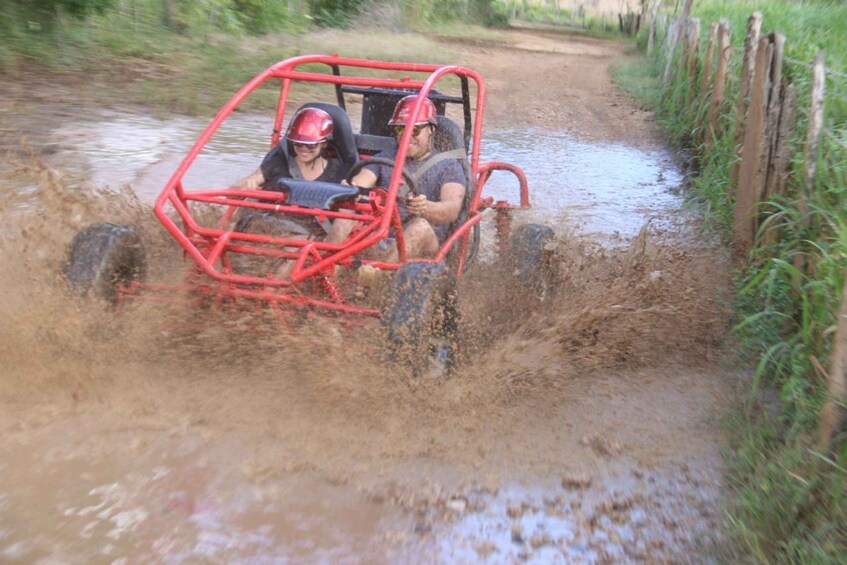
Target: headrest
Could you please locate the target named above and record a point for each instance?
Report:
(448, 135)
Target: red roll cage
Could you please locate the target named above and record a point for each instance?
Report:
(210, 246)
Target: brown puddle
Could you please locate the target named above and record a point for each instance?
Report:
(176, 502)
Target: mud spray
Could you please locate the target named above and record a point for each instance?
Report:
(154, 433)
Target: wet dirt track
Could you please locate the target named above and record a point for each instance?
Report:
(584, 433)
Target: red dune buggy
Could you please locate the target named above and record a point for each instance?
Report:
(234, 263)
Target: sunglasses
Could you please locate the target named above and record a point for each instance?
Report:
(398, 130)
(306, 145)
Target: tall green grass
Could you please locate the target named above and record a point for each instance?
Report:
(789, 504)
(809, 25)
(539, 13)
(196, 58)
(118, 57)
(560, 14)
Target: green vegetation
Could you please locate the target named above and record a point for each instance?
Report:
(789, 501)
(335, 13)
(485, 12)
(163, 52)
(191, 55)
(809, 25)
(556, 13)
(548, 13)
(639, 77)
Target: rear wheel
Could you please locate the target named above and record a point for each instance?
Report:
(422, 318)
(103, 257)
(531, 260)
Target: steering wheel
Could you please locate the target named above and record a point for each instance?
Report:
(410, 188)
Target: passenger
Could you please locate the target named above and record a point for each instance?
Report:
(440, 186)
(308, 133)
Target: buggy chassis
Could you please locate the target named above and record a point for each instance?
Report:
(420, 308)
(210, 247)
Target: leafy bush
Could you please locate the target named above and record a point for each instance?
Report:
(335, 13)
(489, 13)
(261, 16)
(46, 11)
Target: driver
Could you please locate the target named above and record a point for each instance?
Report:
(440, 184)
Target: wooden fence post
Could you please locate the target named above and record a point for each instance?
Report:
(651, 38)
(782, 154)
(774, 106)
(782, 150)
(665, 27)
(706, 84)
(782, 120)
(751, 42)
(673, 39)
(832, 413)
(753, 169)
(650, 13)
(810, 155)
(708, 61)
(719, 89)
(813, 134)
(680, 27)
(693, 45)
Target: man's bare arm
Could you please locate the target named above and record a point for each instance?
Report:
(444, 211)
(365, 179)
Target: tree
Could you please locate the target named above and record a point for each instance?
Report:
(334, 13)
(42, 14)
(51, 8)
(481, 10)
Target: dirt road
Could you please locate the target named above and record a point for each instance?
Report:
(553, 81)
(584, 433)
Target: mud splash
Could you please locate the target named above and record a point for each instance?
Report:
(158, 435)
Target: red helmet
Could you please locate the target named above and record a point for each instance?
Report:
(426, 115)
(310, 125)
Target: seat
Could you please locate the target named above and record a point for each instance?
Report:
(449, 138)
(375, 134)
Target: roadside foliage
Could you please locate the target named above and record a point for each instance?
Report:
(188, 56)
(789, 454)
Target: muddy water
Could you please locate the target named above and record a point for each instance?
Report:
(168, 505)
(115, 149)
(606, 190)
(581, 434)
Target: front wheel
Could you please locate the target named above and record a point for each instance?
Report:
(102, 258)
(422, 318)
(531, 260)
